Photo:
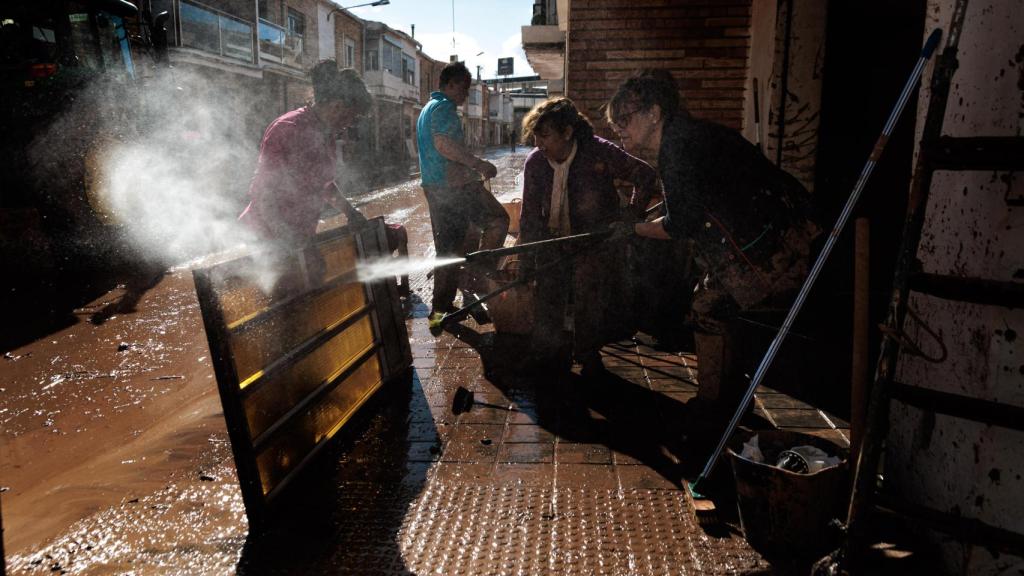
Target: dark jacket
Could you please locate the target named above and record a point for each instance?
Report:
(595, 281)
(738, 207)
(593, 201)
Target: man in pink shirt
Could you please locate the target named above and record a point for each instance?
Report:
(294, 179)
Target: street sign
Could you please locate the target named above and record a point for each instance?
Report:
(504, 66)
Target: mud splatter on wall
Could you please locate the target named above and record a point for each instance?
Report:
(974, 229)
(795, 88)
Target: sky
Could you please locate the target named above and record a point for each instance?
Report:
(488, 26)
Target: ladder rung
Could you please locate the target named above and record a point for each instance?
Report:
(974, 290)
(968, 529)
(959, 406)
(977, 153)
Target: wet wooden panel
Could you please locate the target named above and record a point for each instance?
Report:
(254, 285)
(272, 397)
(318, 423)
(298, 345)
(261, 341)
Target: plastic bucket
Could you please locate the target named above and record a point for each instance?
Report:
(785, 515)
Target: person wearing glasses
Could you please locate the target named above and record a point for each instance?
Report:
(294, 180)
(569, 187)
(749, 220)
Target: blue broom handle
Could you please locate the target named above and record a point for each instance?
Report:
(908, 89)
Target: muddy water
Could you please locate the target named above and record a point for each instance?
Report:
(103, 412)
(119, 411)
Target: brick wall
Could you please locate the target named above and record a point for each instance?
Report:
(703, 43)
(430, 74)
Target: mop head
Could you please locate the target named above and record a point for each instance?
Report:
(703, 507)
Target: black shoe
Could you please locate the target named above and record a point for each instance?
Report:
(592, 366)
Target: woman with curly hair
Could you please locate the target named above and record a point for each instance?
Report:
(569, 187)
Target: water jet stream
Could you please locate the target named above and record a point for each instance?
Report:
(388, 266)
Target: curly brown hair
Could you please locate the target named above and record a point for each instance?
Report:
(556, 114)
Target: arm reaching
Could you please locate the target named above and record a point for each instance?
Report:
(457, 152)
(355, 218)
(629, 168)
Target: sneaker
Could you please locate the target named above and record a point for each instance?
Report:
(434, 322)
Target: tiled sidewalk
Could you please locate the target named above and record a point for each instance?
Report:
(540, 476)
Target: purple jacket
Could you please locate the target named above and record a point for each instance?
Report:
(593, 201)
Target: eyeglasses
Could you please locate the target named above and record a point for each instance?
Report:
(623, 122)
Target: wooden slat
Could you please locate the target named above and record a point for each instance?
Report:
(978, 153)
(959, 406)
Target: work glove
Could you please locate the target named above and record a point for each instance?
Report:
(621, 230)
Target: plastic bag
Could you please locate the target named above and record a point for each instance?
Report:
(752, 451)
(805, 459)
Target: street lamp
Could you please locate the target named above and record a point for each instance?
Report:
(340, 8)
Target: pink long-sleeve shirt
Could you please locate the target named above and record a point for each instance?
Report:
(294, 178)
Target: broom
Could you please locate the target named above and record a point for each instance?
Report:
(703, 507)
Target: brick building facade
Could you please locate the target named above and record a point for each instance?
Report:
(703, 45)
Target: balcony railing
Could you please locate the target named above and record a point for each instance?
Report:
(213, 31)
(277, 45)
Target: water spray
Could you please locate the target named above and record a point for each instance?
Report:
(388, 266)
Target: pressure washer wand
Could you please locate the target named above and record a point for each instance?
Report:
(538, 245)
(585, 242)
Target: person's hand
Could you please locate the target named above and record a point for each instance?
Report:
(621, 230)
(486, 169)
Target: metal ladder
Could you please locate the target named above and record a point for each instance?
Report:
(937, 152)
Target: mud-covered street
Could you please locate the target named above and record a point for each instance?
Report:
(113, 435)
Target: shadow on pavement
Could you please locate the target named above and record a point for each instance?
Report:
(671, 437)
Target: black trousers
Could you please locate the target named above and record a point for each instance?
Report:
(452, 210)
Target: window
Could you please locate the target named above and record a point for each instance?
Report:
(294, 32)
(408, 69)
(391, 58)
(296, 23)
(214, 32)
(265, 13)
(350, 53)
(371, 60)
